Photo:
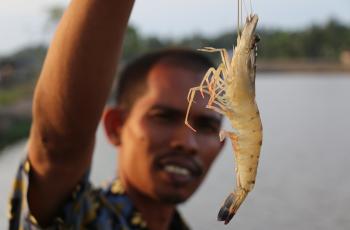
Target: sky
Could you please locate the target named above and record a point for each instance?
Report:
(22, 22)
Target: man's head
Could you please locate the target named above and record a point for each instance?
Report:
(159, 156)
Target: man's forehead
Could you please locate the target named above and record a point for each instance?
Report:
(169, 86)
(170, 77)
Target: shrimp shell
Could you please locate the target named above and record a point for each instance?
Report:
(231, 87)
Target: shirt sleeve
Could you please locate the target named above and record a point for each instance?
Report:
(77, 211)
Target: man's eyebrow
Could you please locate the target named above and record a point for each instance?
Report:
(166, 108)
(206, 116)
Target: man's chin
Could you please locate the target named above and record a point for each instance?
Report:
(173, 195)
(172, 199)
(175, 190)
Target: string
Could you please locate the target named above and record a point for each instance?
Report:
(251, 7)
(238, 18)
(246, 9)
(241, 13)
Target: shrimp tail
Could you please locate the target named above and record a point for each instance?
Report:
(231, 205)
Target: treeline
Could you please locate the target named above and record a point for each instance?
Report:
(317, 42)
(324, 42)
(19, 71)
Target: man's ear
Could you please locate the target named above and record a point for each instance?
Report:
(113, 120)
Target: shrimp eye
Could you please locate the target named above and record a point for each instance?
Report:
(256, 38)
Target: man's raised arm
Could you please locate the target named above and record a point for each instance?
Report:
(69, 98)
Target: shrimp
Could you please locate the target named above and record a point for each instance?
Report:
(231, 87)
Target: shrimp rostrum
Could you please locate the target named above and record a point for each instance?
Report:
(231, 90)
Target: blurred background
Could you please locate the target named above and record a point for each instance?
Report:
(303, 84)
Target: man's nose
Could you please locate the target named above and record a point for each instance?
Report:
(185, 139)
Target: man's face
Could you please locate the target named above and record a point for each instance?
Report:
(160, 156)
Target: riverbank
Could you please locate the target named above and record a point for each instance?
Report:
(15, 120)
(302, 66)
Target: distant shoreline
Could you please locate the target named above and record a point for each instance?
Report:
(16, 119)
(305, 66)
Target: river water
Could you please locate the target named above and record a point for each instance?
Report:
(302, 180)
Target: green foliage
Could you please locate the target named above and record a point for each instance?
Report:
(17, 130)
(54, 14)
(317, 42)
(132, 43)
(324, 42)
(135, 44)
(11, 95)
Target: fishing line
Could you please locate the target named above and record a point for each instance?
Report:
(251, 7)
(246, 9)
(238, 33)
(241, 13)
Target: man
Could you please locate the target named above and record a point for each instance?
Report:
(161, 162)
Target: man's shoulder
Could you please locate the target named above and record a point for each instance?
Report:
(88, 206)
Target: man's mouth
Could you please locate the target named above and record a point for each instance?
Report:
(177, 170)
(180, 169)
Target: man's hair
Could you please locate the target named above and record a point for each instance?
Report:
(132, 80)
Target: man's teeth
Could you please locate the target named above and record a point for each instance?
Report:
(177, 169)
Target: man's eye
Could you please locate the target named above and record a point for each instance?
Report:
(208, 127)
(162, 116)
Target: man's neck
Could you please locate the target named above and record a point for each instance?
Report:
(157, 215)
